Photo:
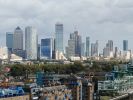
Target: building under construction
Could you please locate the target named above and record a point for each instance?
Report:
(119, 81)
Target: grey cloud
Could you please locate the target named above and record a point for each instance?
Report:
(94, 18)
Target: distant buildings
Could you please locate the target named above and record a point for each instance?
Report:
(78, 42)
(59, 37)
(3, 53)
(125, 45)
(87, 46)
(74, 45)
(38, 51)
(18, 39)
(110, 45)
(47, 48)
(83, 50)
(70, 49)
(9, 41)
(94, 49)
(108, 50)
(53, 48)
(31, 42)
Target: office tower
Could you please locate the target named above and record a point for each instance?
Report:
(106, 52)
(31, 42)
(77, 38)
(47, 47)
(116, 52)
(70, 50)
(38, 51)
(59, 37)
(87, 46)
(9, 41)
(125, 45)
(83, 49)
(94, 49)
(18, 39)
(110, 45)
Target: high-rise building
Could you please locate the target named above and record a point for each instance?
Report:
(9, 41)
(74, 45)
(125, 45)
(70, 50)
(110, 45)
(108, 50)
(87, 46)
(94, 49)
(83, 49)
(47, 47)
(78, 41)
(31, 42)
(18, 39)
(59, 37)
(38, 51)
(116, 52)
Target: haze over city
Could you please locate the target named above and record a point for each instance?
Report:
(99, 19)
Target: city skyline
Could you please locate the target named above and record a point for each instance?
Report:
(91, 18)
(101, 43)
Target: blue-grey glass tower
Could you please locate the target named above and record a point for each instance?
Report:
(87, 46)
(9, 41)
(125, 45)
(59, 37)
(78, 41)
(46, 48)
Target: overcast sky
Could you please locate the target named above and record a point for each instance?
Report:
(99, 19)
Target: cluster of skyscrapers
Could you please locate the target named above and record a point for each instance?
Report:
(27, 46)
(30, 49)
(15, 42)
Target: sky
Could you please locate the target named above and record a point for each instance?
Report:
(102, 20)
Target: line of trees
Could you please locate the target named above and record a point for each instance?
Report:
(21, 70)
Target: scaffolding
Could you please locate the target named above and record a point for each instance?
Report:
(120, 80)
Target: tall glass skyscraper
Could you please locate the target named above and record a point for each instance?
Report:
(94, 49)
(47, 48)
(59, 37)
(87, 46)
(18, 39)
(9, 41)
(31, 42)
(110, 45)
(78, 41)
(125, 45)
